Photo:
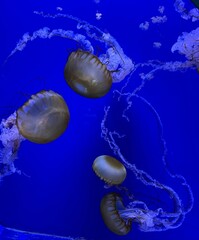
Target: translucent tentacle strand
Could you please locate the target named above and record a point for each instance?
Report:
(149, 220)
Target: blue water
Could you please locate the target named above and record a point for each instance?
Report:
(58, 193)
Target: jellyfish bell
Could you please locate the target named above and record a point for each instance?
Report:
(109, 169)
(43, 118)
(110, 206)
(87, 75)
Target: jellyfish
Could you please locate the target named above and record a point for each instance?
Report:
(87, 75)
(42, 119)
(109, 169)
(119, 219)
(110, 206)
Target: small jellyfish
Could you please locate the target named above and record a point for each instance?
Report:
(109, 169)
(43, 118)
(110, 206)
(87, 75)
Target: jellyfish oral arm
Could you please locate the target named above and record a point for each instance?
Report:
(150, 221)
(11, 140)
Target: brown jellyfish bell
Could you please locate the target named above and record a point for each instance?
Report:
(109, 169)
(43, 118)
(110, 206)
(87, 75)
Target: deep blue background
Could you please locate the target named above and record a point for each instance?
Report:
(62, 194)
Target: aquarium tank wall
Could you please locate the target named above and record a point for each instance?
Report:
(99, 134)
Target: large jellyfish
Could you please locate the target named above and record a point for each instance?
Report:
(120, 219)
(43, 118)
(86, 75)
(116, 216)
